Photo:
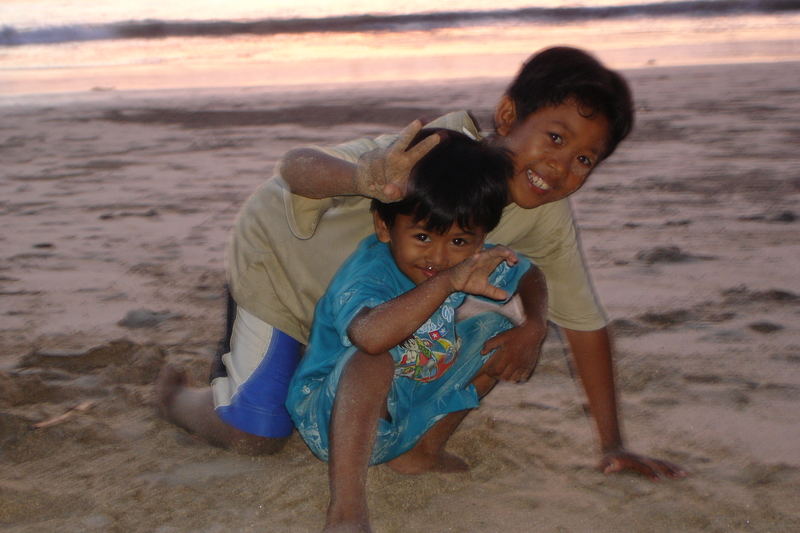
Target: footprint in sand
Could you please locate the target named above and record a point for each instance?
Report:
(119, 361)
(668, 254)
(145, 318)
(765, 327)
(669, 318)
(743, 295)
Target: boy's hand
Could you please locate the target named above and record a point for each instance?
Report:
(383, 173)
(622, 460)
(472, 274)
(516, 352)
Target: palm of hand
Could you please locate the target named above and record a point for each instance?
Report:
(472, 275)
(383, 173)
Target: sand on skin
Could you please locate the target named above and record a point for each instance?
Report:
(115, 202)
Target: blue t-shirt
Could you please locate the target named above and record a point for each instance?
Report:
(422, 387)
(369, 278)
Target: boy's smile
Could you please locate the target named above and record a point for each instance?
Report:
(555, 149)
(419, 253)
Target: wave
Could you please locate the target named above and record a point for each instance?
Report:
(155, 29)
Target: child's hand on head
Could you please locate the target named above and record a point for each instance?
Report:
(383, 173)
(472, 274)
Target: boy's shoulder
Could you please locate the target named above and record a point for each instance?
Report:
(371, 264)
(370, 253)
(461, 121)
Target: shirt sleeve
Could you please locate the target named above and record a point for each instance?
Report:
(552, 242)
(361, 292)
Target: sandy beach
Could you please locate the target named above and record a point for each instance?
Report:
(115, 208)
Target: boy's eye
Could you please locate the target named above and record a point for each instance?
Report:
(458, 241)
(422, 237)
(556, 138)
(585, 161)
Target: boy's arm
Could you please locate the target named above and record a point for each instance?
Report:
(518, 348)
(315, 174)
(592, 353)
(378, 329)
(380, 173)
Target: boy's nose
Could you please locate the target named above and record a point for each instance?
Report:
(559, 163)
(556, 166)
(437, 257)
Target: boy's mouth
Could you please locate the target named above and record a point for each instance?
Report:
(537, 181)
(429, 271)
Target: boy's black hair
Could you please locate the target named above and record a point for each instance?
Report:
(460, 181)
(555, 75)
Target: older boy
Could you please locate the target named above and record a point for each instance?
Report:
(562, 115)
(386, 356)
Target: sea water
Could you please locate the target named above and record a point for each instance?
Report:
(49, 46)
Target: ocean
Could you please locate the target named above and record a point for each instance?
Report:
(49, 46)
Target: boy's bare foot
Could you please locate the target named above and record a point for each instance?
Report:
(416, 461)
(192, 408)
(169, 383)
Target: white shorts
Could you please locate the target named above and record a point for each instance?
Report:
(250, 391)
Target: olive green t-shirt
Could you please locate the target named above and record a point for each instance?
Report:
(286, 248)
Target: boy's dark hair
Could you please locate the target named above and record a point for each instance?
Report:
(555, 75)
(459, 181)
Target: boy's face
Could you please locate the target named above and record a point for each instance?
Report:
(555, 149)
(420, 254)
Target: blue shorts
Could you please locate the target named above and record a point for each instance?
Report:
(250, 391)
(410, 417)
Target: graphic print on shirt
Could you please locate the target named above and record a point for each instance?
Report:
(429, 352)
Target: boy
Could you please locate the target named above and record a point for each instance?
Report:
(386, 360)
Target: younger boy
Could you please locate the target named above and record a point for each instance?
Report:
(386, 361)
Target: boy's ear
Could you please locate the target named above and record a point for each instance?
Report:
(505, 115)
(381, 228)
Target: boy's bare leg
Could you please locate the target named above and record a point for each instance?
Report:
(428, 454)
(360, 402)
(192, 409)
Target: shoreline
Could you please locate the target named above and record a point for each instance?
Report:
(110, 94)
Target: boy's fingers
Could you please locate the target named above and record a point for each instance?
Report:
(504, 253)
(392, 193)
(488, 346)
(495, 254)
(510, 256)
(494, 257)
(490, 291)
(512, 374)
(524, 375)
(407, 135)
(423, 147)
(655, 469)
(498, 294)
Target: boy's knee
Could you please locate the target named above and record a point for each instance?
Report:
(383, 362)
(371, 374)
